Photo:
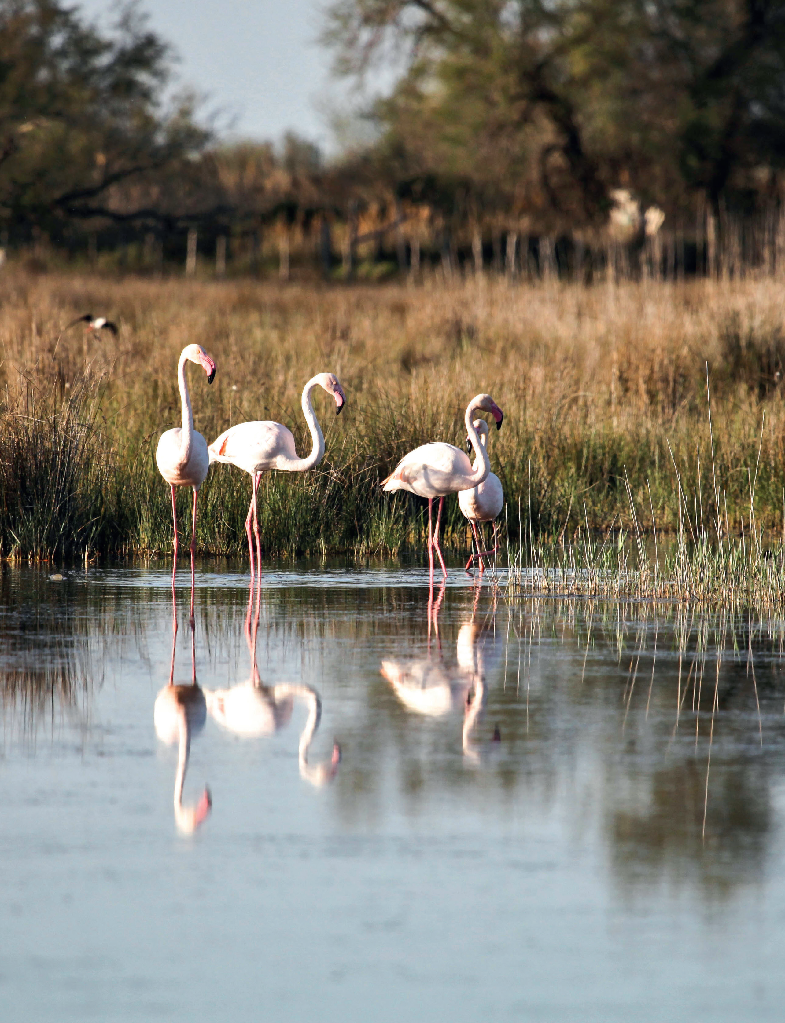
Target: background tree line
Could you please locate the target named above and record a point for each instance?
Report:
(518, 135)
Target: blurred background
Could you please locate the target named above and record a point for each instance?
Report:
(374, 138)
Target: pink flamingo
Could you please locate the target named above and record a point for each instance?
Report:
(482, 504)
(438, 469)
(261, 445)
(181, 454)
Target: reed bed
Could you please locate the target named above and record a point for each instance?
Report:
(604, 389)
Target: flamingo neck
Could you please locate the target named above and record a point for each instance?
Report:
(317, 450)
(482, 465)
(188, 416)
(182, 762)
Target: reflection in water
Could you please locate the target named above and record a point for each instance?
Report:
(428, 686)
(254, 709)
(179, 714)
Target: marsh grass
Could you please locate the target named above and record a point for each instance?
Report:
(603, 388)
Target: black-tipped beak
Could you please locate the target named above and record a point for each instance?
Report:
(340, 407)
(500, 420)
(468, 446)
(211, 375)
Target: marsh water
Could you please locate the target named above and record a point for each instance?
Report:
(464, 808)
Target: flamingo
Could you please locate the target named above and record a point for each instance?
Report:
(180, 712)
(438, 469)
(484, 502)
(253, 709)
(261, 445)
(181, 454)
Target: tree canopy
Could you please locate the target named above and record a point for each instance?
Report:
(81, 111)
(550, 104)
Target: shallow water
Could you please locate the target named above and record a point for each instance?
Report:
(546, 810)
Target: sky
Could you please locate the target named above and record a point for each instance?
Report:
(256, 61)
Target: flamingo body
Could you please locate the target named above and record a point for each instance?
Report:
(179, 470)
(484, 502)
(255, 447)
(432, 470)
(423, 686)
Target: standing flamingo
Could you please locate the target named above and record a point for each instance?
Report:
(257, 446)
(483, 503)
(181, 454)
(438, 469)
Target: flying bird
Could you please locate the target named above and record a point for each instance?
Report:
(94, 323)
(438, 469)
(261, 445)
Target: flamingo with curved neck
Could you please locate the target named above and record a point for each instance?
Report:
(181, 454)
(438, 469)
(258, 446)
(483, 503)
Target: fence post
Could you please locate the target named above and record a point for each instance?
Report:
(190, 256)
(220, 255)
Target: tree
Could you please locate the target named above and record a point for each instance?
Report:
(81, 112)
(557, 103)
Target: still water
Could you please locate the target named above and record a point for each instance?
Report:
(465, 810)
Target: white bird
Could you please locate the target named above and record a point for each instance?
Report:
(483, 503)
(258, 446)
(437, 469)
(181, 454)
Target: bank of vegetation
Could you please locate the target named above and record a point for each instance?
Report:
(604, 391)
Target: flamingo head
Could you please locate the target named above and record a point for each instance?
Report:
(189, 818)
(197, 354)
(330, 383)
(485, 403)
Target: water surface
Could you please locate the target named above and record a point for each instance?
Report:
(543, 810)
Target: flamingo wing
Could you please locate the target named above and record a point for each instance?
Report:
(432, 470)
(254, 446)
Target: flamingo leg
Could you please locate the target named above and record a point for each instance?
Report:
(430, 545)
(471, 555)
(248, 520)
(256, 478)
(174, 560)
(436, 537)
(193, 552)
(478, 546)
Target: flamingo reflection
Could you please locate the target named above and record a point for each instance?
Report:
(254, 709)
(427, 686)
(180, 712)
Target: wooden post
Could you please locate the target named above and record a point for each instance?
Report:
(283, 253)
(190, 256)
(220, 255)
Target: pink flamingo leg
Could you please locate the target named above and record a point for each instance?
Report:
(174, 564)
(193, 552)
(436, 538)
(256, 478)
(248, 520)
(430, 544)
(478, 546)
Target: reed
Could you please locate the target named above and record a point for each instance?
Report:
(603, 388)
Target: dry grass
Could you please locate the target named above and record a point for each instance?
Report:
(596, 383)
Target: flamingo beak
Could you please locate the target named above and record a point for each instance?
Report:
(498, 415)
(340, 401)
(468, 446)
(209, 367)
(203, 807)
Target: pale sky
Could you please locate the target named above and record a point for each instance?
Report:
(256, 60)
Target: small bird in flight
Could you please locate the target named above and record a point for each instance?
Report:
(95, 324)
